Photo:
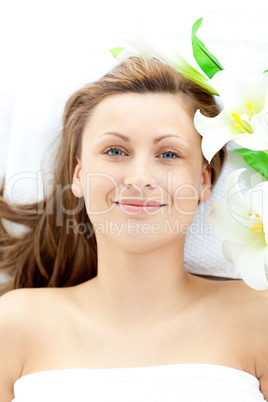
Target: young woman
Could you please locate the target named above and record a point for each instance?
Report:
(113, 314)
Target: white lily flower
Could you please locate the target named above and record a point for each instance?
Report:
(244, 118)
(143, 46)
(243, 223)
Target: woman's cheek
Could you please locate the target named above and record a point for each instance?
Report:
(185, 197)
(98, 188)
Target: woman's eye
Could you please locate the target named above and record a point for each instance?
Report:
(115, 152)
(170, 155)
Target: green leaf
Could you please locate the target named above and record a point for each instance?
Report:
(116, 51)
(265, 71)
(258, 160)
(206, 61)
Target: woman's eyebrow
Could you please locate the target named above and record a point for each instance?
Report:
(155, 141)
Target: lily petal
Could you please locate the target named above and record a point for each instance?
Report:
(258, 140)
(250, 263)
(244, 118)
(204, 123)
(232, 191)
(231, 251)
(243, 223)
(263, 208)
(260, 86)
(235, 92)
(231, 227)
(216, 132)
(266, 257)
(142, 45)
(257, 199)
(126, 53)
(215, 139)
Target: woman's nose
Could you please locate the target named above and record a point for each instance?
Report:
(140, 175)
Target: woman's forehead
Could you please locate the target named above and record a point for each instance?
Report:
(147, 114)
(139, 102)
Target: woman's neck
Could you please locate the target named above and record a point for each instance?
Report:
(136, 283)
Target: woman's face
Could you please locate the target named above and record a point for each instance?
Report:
(136, 149)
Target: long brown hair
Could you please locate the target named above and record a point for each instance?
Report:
(46, 255)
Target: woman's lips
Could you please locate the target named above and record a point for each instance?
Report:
(139, 206)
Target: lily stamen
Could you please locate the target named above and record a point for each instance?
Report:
(236, 118)
(249, 105)
(238, 127)
(243, 124)
(258, 227)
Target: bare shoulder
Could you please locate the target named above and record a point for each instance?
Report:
(13, 325)
(25, 303)
(258, 316)
(249, 304)
(16, 310)
(20, 311)
(25, 308)
(251, 312)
